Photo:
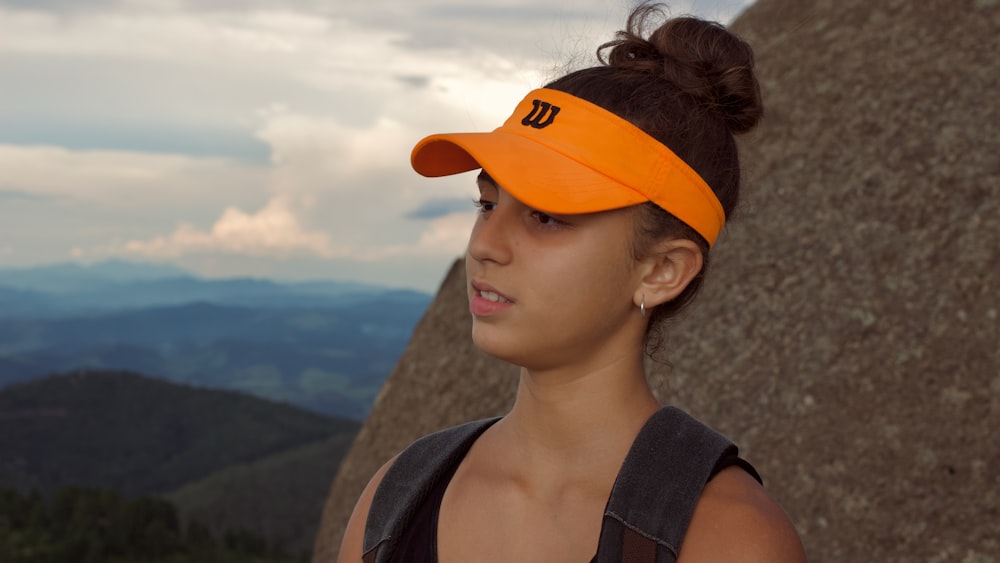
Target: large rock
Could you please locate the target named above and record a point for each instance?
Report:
(848, 335)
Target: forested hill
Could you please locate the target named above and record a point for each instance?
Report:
(233, 462)
(138, 435)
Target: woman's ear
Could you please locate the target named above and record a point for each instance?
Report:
(669, 269)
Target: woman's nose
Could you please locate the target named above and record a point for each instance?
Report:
(490, 238)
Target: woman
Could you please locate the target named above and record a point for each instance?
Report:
(599, 200)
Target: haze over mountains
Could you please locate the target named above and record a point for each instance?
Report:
(324, 346)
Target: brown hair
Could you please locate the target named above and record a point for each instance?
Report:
(689, 84)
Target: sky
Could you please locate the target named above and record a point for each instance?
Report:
(266, 138)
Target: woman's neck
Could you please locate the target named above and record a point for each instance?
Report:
(578, 424)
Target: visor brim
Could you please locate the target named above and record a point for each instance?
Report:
(535, 174)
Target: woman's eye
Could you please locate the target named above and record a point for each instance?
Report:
(484, 205)
(545, 219)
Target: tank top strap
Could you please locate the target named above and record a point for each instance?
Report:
(655, 493)
(412, 477)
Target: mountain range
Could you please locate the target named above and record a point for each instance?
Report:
(326, 346)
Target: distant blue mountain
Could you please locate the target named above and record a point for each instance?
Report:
(20, 302)
(325, 346)
(110, 286)
(72, 277)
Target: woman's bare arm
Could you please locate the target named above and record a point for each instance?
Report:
(352, 545)
(737, 522)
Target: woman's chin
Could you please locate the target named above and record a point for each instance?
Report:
(492, 344)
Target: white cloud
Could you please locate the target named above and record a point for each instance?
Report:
(328, 150)
(274, 230)
(116, 179)
(448, 234)
(86, 205)
(163, 34)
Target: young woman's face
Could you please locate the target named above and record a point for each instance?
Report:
(547, 291)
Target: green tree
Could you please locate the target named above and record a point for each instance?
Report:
(81, 525)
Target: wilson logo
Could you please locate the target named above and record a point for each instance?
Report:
(542, 115)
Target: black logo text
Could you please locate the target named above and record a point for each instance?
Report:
(542, 114)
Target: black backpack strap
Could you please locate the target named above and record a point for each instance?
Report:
(406, 484)
(658, 486)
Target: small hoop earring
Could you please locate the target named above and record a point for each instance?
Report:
(642, 307)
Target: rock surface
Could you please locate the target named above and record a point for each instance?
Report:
(847, 337)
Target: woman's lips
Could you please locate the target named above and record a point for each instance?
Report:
(486, 300)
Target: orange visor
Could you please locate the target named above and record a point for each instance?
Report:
(560, 154)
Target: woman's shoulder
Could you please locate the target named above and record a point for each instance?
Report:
(736, 520)
(351, 545)
(417, 468)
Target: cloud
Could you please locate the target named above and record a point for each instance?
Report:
(328, 149)
(18, 194)
(445, 238)
(272, 231)
(60, 6)
(448, 234)
(167, 80)
(414, 80)
(276, 232)
(128, 179)
(439, 207)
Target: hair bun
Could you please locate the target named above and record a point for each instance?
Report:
(700, 58)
